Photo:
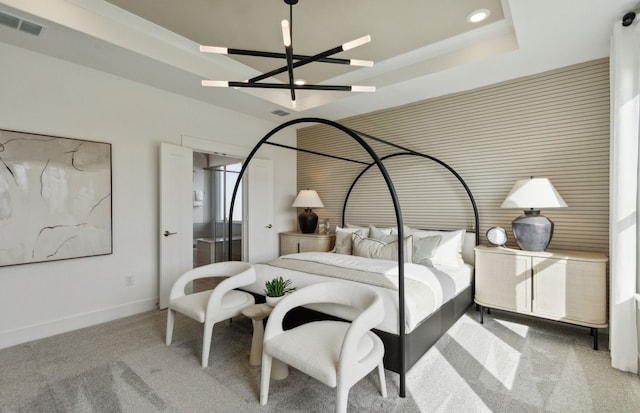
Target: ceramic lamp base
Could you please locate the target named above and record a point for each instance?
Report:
(532, 231)
(308, 221)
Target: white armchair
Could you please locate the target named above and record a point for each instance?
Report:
(337, 353)
(211, 306)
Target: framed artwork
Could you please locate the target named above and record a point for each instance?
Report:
(55, 198)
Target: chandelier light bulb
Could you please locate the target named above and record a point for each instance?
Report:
(214, 49)
(357, 42)
(286, 34)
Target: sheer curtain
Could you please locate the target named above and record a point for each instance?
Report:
(623, 214)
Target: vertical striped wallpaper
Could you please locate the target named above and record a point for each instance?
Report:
(553, 124)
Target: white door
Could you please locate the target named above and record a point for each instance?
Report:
(260, 235)
(176, 216)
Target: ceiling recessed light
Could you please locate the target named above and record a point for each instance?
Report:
(300, 82)
(479, 15)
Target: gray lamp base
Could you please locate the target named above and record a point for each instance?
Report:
(532, 231)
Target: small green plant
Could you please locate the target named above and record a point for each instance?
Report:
(278, 287)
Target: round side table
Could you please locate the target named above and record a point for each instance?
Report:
(257, 313)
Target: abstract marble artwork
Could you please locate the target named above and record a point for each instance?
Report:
(55, 198)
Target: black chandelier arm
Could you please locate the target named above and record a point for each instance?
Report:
(274, 55)
(294, 86)
(290, 70)
(301, 62)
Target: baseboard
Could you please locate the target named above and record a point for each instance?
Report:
(52, 328)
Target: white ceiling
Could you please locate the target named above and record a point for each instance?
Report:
(421, 48)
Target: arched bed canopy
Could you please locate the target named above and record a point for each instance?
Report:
(398, 357)
(412, 153)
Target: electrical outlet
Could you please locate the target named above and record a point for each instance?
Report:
(128, 280)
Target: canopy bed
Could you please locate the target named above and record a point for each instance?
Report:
(407, 335)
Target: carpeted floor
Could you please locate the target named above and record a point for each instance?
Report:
(509, 364)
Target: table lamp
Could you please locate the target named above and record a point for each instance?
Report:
(533, 231)
(308, 220)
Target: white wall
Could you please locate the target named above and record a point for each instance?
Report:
(39, 94)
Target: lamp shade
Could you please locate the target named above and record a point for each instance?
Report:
(535, 193)
(307, 198)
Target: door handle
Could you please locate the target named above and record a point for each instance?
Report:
(269, 226)
(167, 233)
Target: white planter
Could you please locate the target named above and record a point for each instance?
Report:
(272, 301)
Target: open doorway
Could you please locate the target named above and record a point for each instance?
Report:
(214, 177)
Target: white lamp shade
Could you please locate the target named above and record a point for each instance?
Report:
(308, 198)
(535, 193)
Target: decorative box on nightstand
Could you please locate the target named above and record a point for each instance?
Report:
(569, 286)
(292, 242)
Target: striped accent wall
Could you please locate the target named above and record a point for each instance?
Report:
(553, 124)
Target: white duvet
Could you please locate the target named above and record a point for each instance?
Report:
(426, 288)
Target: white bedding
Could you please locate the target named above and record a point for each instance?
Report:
(426, 288)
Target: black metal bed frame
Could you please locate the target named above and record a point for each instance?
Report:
(403, 350)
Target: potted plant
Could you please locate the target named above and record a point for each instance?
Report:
(276, 288)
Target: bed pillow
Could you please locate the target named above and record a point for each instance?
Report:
(449, 251)
(373, 248)
(407, 230)
(424, 249)
(343, 238)
(382, 234)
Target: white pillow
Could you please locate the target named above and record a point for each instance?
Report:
(343, 238)
(449, 251)
(425, 248)
(373, 248)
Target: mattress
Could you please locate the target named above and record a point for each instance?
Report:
(426, 288)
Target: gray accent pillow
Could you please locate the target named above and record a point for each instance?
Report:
(373, 248)
(425, 248)
(382, 235)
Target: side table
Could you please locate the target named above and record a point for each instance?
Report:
(257, 313)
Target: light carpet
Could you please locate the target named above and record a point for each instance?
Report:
(510, 363)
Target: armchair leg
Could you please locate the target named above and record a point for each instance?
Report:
(170, 318)
(342, 397)
(265, 376)
(383, 381)
(206, 343)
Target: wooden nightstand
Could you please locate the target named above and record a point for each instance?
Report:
(569, 286)
(292, 242)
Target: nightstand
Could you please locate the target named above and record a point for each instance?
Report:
(292, 242)
(568, 286)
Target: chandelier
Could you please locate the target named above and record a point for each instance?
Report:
(292, 61)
